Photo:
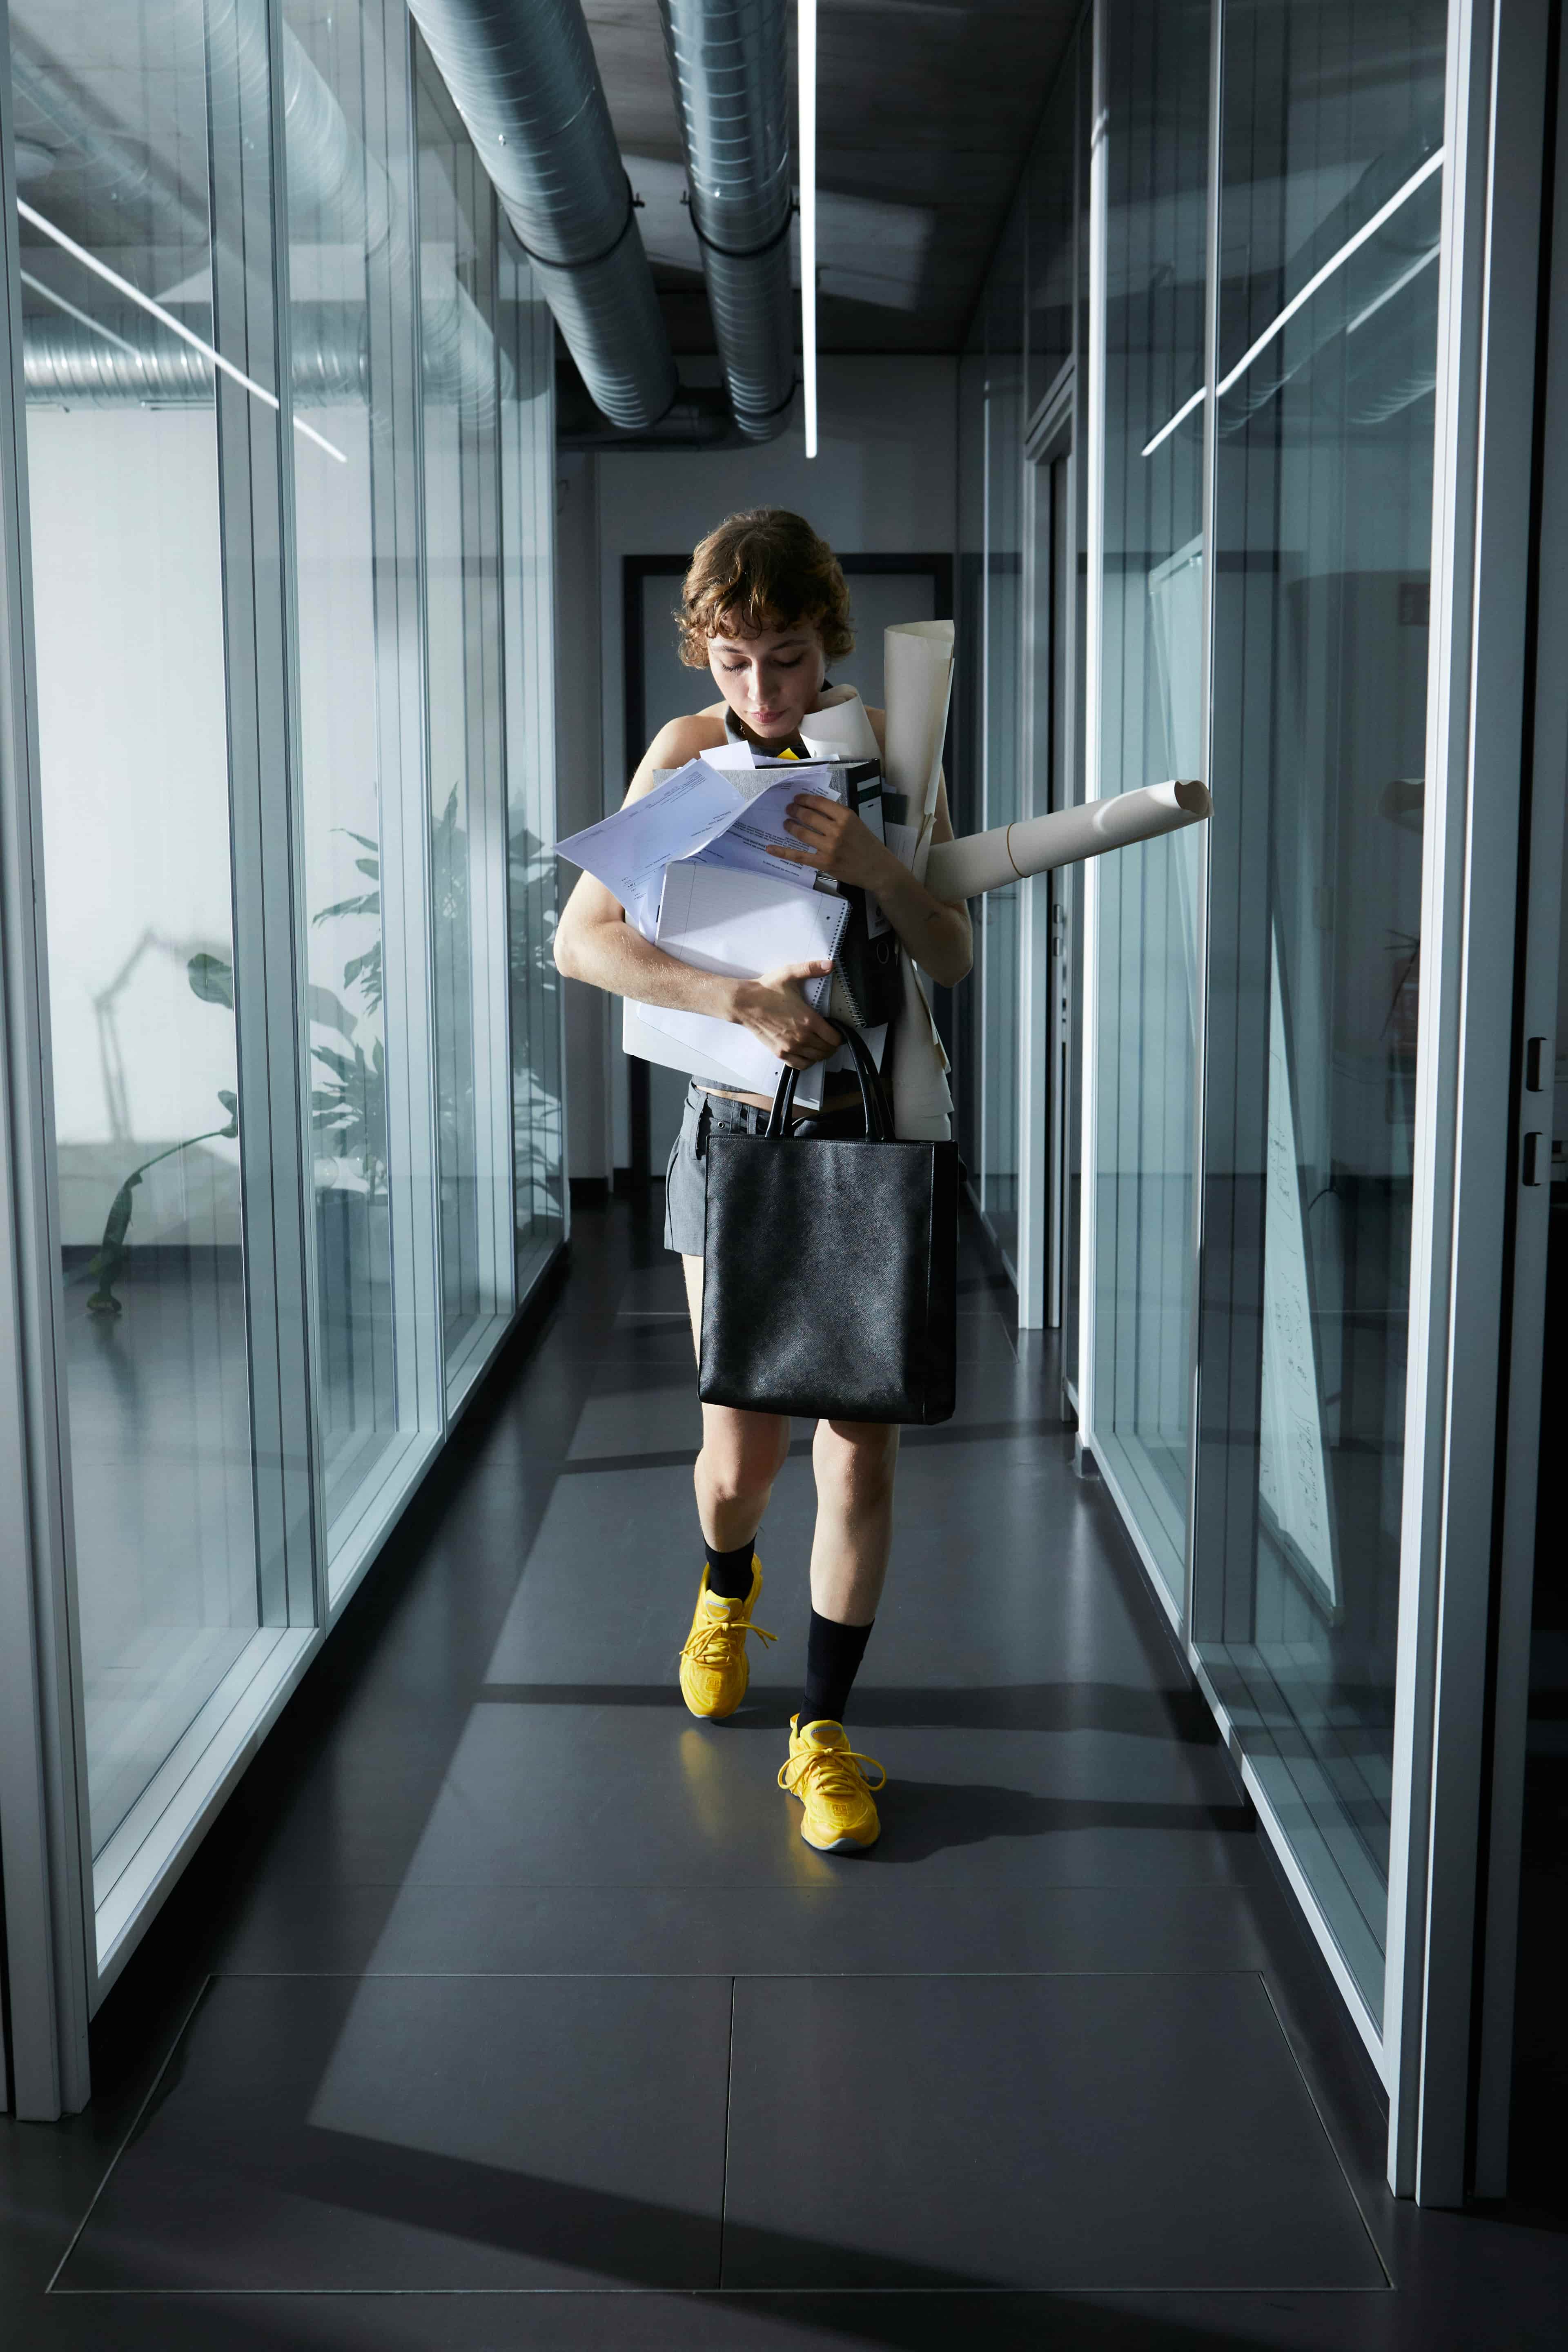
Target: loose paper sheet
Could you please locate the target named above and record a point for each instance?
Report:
(628, 852)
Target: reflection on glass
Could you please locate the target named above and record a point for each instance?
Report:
(528, 487)
(1323, 495)
(1151, 606)
(351, 290)
(1052, 243)
(132, 736)
(468, 783)
(966, 783)
(998, 943)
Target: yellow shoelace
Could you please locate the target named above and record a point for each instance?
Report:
(837, 1771)
(713, 1645)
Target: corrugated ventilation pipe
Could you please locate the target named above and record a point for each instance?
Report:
(523, 77)
(333, 186)
(729, 66)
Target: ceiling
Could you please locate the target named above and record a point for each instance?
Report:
(925, 113)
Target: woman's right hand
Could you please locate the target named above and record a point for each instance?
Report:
(773, 1008)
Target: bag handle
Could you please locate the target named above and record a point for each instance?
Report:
(873, 1094)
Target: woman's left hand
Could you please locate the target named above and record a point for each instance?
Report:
(835, 841)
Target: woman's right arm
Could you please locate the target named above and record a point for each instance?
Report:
(594, 942)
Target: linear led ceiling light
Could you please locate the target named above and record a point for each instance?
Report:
(1314, 285)
(806, 51)
(1171, 423)
(165, 317)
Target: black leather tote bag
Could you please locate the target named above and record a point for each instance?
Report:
(830, 1268)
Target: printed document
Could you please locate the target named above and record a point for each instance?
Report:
(630, 851)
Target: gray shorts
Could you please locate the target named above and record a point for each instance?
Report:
(685, 1177)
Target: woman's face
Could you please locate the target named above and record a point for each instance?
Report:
(770, 681)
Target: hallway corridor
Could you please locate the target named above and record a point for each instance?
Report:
(504, 2006)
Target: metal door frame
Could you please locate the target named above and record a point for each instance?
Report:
(1042, 1111)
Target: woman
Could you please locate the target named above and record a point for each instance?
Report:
(765, 609)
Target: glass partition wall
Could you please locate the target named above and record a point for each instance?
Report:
(1146, 725)
(1330, 208)
(294, 781)
(1254, 324)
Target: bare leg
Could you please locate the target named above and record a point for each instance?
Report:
(854, 1462)
(742, 1454)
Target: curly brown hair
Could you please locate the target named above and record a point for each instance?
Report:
(765, 569)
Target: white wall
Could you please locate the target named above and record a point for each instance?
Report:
(883, 483)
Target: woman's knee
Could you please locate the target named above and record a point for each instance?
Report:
(856, 1459)
(743, 1452)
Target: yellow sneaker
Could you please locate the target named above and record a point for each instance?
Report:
(825, 1772)
(714, 1669)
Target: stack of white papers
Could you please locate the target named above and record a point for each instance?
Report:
(725, 918)
(689, 863)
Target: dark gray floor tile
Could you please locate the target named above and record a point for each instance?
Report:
(850, 1927)
(426, 2132)
(859, 1924)
(602, 1792)
(1079, 2133)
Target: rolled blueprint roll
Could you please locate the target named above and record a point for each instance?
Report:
(987, 861)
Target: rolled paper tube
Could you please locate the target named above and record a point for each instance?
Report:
(988, 861)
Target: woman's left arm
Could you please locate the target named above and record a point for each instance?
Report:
(835, 841)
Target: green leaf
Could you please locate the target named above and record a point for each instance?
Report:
(328, 1009)
(232, 1107)
(369, 905)
(212, 980)
(371, 866)
(363, 839)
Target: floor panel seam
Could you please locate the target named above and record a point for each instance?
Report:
(724, 2177)
(1324, 2126)
(132, 2128)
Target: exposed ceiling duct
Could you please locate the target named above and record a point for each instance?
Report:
(127, 357)
(521, 73)
(729, 66)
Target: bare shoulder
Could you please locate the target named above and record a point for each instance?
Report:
(678, 741)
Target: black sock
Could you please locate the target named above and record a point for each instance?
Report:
(833, 1655)
(729, 1572)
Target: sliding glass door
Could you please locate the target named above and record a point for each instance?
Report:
(1332, 145)
(356, 543)
(462, 367)
(134, 733)
(1147, 587)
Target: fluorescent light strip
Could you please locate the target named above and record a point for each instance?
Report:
(165, 317)
(319, 439)
(1171, 424)
(84, 318)
(806, 50)
(1400, 283)
(1319, 278)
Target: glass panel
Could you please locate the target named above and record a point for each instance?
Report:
(467, 781)
(528, 482)
(999, 946)
(1078, 561)
(966, 784)
(352, 320)
(1052, 243)
(127, 607)
(1156, 109)
(1323, 493)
